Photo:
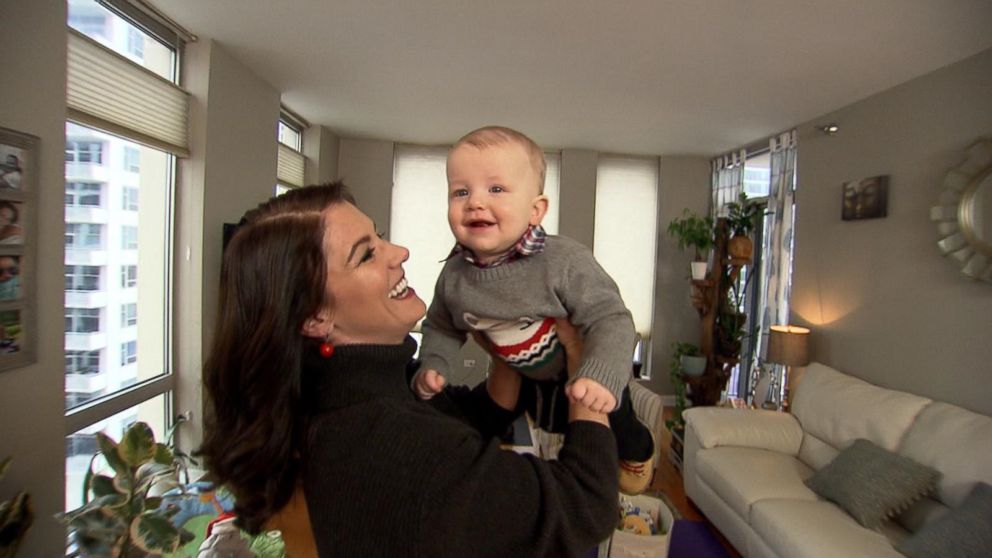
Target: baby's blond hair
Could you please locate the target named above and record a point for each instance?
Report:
(490, 136)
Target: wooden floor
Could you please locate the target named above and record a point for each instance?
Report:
(668, 480)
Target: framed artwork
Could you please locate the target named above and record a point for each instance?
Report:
(865, 199)
(18, 239)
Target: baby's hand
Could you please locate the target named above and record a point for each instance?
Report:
(428, 383)
(591, 394)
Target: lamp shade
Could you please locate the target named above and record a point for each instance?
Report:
(788, 345)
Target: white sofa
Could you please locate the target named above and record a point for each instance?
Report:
(745, 469)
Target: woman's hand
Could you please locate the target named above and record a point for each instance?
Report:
(502, 383)
(571, 340)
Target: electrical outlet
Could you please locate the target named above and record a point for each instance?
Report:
(469, 363)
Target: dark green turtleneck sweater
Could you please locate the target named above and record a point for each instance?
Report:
(388, 475)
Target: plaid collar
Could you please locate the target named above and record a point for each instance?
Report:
(532, 242)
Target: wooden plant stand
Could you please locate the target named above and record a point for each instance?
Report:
(707, 296)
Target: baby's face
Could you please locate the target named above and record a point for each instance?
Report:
(493, 197)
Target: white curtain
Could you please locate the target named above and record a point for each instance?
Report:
(778, 239)
(727, 181)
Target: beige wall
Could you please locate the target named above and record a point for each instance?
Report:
(577, 194)
(366, 166)
(234, 116)
(882, 302)
(32, 100)
(683, 182)
(320, 147)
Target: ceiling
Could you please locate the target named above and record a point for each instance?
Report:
(661, 77)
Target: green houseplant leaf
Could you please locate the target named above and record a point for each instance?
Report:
(108, 448)
(138, 445)
(125, 517)
(102, 485)
(692, 231)
(153, 533)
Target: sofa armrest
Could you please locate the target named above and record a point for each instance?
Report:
(754, 428)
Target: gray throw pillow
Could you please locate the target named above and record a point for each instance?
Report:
(872, 483)
(963, 532)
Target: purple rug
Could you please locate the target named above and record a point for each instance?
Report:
(693, 539)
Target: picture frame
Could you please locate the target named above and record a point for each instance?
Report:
(865, 199)
(18, 248)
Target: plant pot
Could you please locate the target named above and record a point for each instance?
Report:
(693, 365)
(698, 270)
(740, 248)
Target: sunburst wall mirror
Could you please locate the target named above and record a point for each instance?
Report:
(964, 213)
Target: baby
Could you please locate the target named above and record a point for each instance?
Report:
(509, 281)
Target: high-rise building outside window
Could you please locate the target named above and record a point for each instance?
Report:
(110, 238)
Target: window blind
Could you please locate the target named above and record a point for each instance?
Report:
(107, 91)
(419, 216)
(289, 168)
(625, 233)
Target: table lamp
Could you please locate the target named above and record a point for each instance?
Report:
(787, 345)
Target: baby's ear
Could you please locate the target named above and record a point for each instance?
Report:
(539, 207)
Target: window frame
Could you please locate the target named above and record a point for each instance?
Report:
(104, 406)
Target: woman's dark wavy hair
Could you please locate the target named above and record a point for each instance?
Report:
(272, 280)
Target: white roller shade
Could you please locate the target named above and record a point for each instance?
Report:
(290, 166)
(626, 231)
(419, 215)
(107, 91)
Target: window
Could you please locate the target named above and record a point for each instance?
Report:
(135, 43)
(109, 88)
(83, 194)
(290, 134)
(82, 362)
(84, 236)
(290, 159)
(420, 187)
(90, 24)
(82, 320)
(82, 277)
(129, 314)
(132, 159)
(757, 175)
(129, 352)
(626, 230)
(129, 237)
(130, 198)
(83, 152)
(129, 276)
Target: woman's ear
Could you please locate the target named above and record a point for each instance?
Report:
(319, 326)
(539, 207)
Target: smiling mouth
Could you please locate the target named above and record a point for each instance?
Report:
(480, 224)
(400, 290)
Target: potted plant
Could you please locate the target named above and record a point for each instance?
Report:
(16, 517)
(742, 219)
(676, 373)
(693, 231)
(125, 518)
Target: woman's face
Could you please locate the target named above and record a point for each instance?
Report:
(365, 280)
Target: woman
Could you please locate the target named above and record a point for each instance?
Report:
(311, 419)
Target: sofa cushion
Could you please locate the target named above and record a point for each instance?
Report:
(743, 476)
(752, 428)
(836, 409)
(817, 529)
(871, 483)
(956, 442)
(964, 532)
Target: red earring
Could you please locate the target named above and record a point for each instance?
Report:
(326, 349)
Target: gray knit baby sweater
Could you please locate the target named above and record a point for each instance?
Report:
(514, 305)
